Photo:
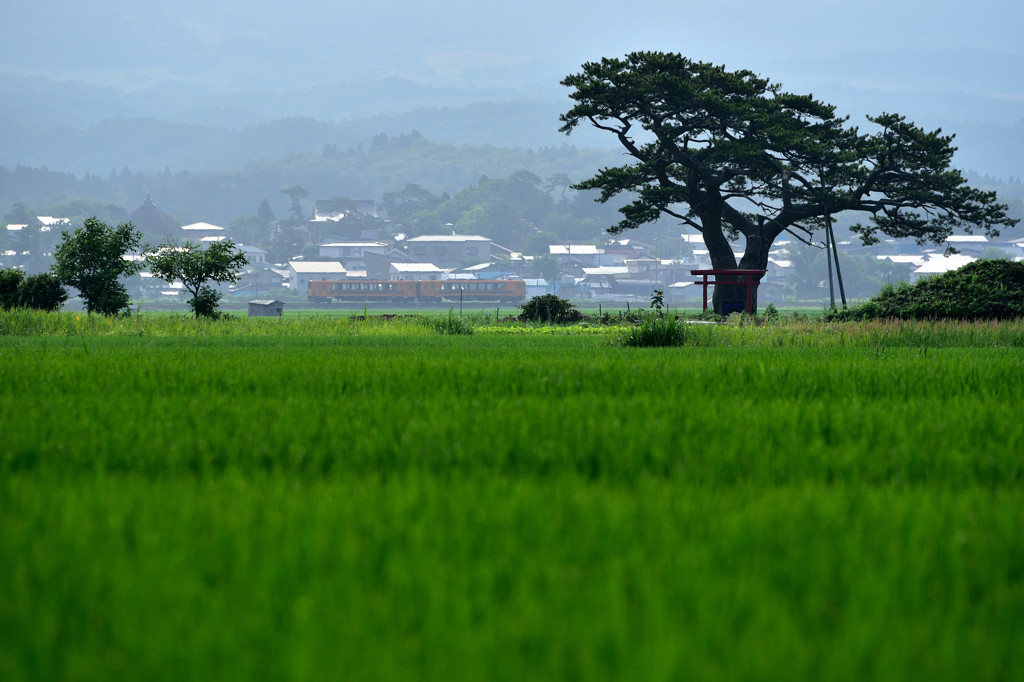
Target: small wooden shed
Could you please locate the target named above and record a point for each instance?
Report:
(266, 308)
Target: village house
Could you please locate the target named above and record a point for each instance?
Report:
(301, 273)
(450, 251)
(493, 270)
(203, 232)
(253, 254)
(415, 271)
(378, 266)
(583, 256)
(940, 263)
(352, 255)
(258, 279)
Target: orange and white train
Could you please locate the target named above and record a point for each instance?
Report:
(417, 291)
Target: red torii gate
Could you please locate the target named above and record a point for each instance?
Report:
(746, 279)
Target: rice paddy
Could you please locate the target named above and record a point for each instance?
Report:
(375, 500)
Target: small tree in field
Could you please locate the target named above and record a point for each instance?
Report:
(195, 266)
(93, 259)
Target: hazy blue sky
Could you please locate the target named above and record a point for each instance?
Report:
(227, 44)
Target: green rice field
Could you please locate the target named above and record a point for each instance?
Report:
(329, 498)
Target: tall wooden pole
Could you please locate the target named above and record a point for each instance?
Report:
(834, 255)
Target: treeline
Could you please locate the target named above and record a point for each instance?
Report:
(387, 164)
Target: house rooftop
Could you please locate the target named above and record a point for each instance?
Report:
(305, 267)
(574, 250)
(606, 270)
(939, 264)
(415, 267)
(912, 259)
(202, 227)
(449, 238)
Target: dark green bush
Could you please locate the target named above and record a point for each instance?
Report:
(982, 290)
(42, 292)
(10, 281)
(549, 308)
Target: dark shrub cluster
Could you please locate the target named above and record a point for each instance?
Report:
(549, 308)
(982, 290)
(40, 292)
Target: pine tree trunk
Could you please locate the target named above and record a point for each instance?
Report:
(733, 298)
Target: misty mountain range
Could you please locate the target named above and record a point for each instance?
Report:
(74, 127)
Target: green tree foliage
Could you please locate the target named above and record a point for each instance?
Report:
(264, 223)
(982, 290)
(994, 253)
(401, 205)
(296, 194)
(42, 291)
(18, 215)
(549, 308)
(77, 210)
(287, 240)
(194, 266)
(731, 154)
(265, 214)
(255, 229)
(10, 283)
(511, 211)
(537, 243)
(93, 259)
(561, 183)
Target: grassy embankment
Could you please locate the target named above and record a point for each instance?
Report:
(294, 498)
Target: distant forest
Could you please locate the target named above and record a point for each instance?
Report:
(387, 164)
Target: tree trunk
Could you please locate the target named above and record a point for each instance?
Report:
(733, 298)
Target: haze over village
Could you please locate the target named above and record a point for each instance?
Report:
(400, 134)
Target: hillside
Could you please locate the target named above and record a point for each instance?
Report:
(79, 128)
(386, 164)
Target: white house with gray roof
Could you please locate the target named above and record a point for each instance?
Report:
(450, 250)
(415, 271)
(301, 272)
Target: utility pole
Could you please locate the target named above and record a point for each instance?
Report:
(828, 259)
(835, 254)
